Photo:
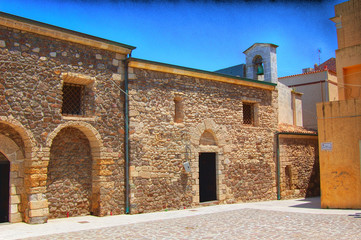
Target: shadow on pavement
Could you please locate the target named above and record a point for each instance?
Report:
(309, 203)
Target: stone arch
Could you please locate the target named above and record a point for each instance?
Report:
(208, 138)
(90, 132)
(90, 141)
(18, 146)
(219, 133)
(26, 135)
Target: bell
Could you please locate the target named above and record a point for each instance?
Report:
(260, 69)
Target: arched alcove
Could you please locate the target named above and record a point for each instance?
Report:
(89, 156)
(69, 183)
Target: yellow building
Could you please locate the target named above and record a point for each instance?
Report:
(339, 122)
(348, 55)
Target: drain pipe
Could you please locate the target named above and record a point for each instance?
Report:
(278, 156)
(126, 137)
(278, 165)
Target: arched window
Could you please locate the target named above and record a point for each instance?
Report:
(258, 69)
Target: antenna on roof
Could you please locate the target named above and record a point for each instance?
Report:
(319, 56)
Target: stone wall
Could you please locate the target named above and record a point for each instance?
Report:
(160, 145)
(299, 167)
(32, 70)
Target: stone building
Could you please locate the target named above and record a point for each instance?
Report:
(86, 129)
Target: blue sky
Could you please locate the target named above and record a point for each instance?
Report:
(207, 35)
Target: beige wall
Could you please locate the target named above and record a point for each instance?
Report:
(289, 106)
(314, 91)
(339, 124)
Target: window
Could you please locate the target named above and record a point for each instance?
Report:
(78, 95)
(73, 97)
(248, 113)
(178, 110)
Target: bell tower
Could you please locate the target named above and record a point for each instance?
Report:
(261, 62)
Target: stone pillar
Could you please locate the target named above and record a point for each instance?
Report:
(36, 169)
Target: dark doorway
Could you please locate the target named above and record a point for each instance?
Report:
(207, 177)
(4, 188)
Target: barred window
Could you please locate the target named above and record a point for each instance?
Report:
(248, 113)
(73, 99)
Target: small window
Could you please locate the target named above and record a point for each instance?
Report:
(73, 97)
(178, 110)
(248, 113)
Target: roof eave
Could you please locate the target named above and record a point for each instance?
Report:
(169, 68)
(25, 24)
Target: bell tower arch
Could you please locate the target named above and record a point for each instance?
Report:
(261, 62)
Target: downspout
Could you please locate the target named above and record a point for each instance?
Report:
(278, 156)
(326, 86)
(278, 166)
(126, 137)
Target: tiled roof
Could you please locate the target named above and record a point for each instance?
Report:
(330, 64)
(330, 71)
(288, 128)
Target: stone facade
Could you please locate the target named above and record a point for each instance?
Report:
(299, 162)
(160, 146)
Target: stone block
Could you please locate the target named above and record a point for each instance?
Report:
(105, 172)
(13, 190)
(14, 208)
(15, 199)
(115, 62)
(119, 56)
(38, 212)
(117, 77)
(2, 43)
(144, 174)
(132, 76)
(38, 204)
(15, 217)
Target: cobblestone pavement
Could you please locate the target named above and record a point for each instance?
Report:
(236, 224)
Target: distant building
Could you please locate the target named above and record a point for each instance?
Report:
(317, 84)
(339, 121)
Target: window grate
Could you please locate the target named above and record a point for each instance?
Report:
(73, 97)
(248, 114)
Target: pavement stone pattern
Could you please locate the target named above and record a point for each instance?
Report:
(236, 224)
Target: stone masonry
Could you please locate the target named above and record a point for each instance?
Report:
(300, 174)
(33, 70)
(160, 146)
